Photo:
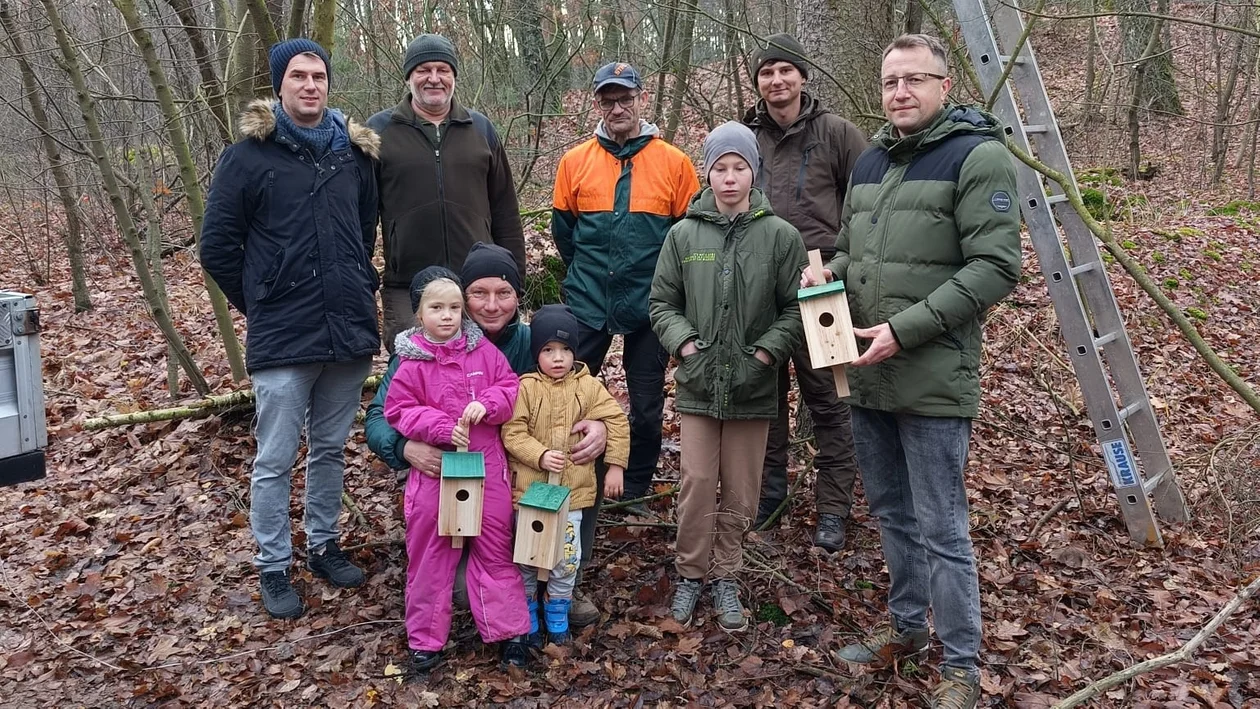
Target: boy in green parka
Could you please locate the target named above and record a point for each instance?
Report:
(724, 303)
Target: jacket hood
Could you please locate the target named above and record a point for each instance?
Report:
(954, 119)
(704, 206)
(759, 117)
(406, 348)
(647, 132)
(258, 121)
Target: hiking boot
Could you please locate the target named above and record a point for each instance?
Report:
(278, 596)
(957, 690)
(424, 660)
(726, 605)
(764, 509)
(830, 534)
(514, 653)
(556, 613)
(329, 562)
(583, 612)
(884, 644)
(686, 593)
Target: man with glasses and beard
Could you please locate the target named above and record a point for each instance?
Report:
(616, 196)
(445, 181)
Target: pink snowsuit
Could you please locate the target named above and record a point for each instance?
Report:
(427, 395)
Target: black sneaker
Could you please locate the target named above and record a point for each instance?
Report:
(515, 653)
(329, 562)
(424, 660)
(830, 535)
(278, 596)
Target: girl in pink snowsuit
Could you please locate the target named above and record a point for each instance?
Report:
(452, 386)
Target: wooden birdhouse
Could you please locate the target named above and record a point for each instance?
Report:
(461, 496)
(828, 326)
(540, 525)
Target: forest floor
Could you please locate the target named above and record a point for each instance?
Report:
(126, 577)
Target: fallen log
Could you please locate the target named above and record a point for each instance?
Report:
(242, 399)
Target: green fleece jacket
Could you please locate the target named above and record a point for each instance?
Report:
(728, 285)
(929, 241)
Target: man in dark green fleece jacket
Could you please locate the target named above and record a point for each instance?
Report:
(445, 181)
(929, 241)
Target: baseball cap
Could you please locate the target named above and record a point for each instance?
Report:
(618, 74)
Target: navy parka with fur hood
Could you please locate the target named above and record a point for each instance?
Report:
(288, 236)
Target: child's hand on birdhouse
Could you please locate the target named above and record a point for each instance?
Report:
(552, 462)
(459, 435)
(474, 412)
(614, 482)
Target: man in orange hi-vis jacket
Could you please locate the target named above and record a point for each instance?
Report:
(616, 197)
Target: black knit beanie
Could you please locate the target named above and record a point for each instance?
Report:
(781, 47)
(281, 53)
(429, 48)
(427, 276)
(553, 323)
(491, 261)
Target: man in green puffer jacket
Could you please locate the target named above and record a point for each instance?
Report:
(929, 241)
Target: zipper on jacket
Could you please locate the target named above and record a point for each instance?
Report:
(800, 175)
(446, 241)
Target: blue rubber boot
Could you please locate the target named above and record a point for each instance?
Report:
(556, 611)
(535, 638)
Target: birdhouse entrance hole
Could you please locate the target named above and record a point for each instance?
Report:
(537, 526)
(826, 319)
(461, 495)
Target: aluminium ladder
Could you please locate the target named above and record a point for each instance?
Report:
(1090, 319)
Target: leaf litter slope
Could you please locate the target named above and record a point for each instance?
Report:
(127, 579)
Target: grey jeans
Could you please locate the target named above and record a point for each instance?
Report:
(912, 472)
(321, 398)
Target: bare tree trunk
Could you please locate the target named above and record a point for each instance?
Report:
(1091, 113)
(733, 54)
(69, 61)
(1138, 76)
(297, 19)
(211, 87)
(667, 53)
(65, 187)
(914, 17)
(1224, 100)
(682, 67)
(846, 40)
(1159, 90)
(324, 19)
(143, 193)
(263, 25)
(187, 174)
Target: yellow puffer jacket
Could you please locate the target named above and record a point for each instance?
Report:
(546, 410)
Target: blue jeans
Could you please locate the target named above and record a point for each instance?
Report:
(912, 471)
(321, 398)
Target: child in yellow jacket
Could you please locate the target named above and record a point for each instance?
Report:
(551, 400)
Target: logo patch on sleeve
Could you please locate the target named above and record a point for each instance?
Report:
(1001, 201)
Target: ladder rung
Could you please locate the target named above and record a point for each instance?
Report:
(1083, 268)
(1129, 410)
(1150, 483)
(1004, 58)
(1036, 128)
(1104, 340)
(1056, 198)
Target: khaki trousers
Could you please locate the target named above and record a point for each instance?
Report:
(725, 453)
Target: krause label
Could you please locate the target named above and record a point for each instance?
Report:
(1120, 463)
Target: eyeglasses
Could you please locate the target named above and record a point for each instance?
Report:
(626, 102)
(888, 84)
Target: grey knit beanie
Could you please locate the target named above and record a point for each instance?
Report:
(429, 48)
(781, 47)
(732, 137)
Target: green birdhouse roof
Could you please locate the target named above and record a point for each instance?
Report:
(542, 496)
(463, 464)
(819, 291)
